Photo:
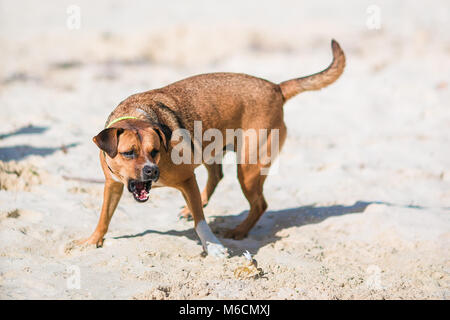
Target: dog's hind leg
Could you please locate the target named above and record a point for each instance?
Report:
(251, 178)
(251, 182)
(215, 174)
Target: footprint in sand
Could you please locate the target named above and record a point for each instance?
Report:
(73, 247)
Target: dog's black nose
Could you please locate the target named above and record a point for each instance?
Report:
(151, 172)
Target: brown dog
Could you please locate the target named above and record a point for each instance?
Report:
(138, 143)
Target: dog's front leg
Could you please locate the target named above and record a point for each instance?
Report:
(210, 243)
(111, 196)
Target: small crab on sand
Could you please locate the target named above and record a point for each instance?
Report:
(249, 269)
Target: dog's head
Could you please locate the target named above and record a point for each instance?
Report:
(132, 150)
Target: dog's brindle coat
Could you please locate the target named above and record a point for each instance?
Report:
(137, 141)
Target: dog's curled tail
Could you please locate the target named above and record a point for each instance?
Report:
(318, 80)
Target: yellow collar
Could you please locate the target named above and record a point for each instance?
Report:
(119, 119)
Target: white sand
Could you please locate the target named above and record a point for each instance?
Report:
(360, 205)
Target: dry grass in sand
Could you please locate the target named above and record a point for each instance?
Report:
(359, 208)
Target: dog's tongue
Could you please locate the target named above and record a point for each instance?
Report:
(143, 195)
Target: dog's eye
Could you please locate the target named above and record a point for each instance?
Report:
(154, 153)
(128, 154)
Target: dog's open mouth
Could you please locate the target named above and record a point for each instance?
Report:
(140, 189)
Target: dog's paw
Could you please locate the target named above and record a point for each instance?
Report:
(210, 243)
(185, 213)
(95, 239)
(216, 250)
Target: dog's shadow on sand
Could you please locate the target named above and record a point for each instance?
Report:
(265, 231)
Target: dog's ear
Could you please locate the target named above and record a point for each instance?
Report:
(164, 133)
(107, 140)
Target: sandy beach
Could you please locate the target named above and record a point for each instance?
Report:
(358, 209)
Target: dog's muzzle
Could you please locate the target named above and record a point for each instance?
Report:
(141, 188)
